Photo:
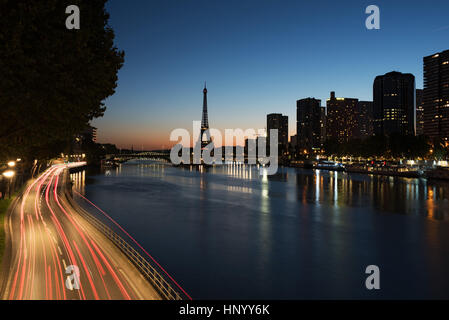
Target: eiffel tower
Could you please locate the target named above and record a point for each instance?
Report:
(205, 141)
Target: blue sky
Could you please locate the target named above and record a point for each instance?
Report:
(257, 57)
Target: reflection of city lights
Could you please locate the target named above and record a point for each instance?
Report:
(9, 174)
(265, 176)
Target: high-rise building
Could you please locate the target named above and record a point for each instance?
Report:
(308, 124)
(436, 95)
(394, 104)
(323, 118)
(89, 134)
(364, 119)
(419, 112)
(341, 123)
(251, 148)
(279, 122)
(294, 143)
(83, 139)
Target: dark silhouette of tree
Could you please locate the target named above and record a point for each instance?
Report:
(332, 147)
(410, 147)
(440, 150)
(53, 81)
(393, 146)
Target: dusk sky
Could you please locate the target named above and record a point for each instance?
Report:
(258, 57)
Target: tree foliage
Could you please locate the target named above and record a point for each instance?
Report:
(393, 146)
(53, 81)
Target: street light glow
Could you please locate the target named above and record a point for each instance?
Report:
(11, 164)
(9, 174)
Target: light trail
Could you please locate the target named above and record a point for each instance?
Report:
(46, 232)
(83, 236)
(135, 241)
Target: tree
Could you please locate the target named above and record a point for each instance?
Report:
(410, 147)
(440, 149)
(332, 147)
(53, 81)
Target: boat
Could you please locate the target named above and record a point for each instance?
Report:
(330, 165)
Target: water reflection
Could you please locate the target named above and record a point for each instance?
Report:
(296, 234)
(79, 181)
(386, 194)
(264, 203)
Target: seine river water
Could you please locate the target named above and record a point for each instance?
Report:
(230, 233)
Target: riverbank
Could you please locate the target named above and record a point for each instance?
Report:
(435, 173)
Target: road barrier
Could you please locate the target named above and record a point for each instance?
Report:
(164, 288)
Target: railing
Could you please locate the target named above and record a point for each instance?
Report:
(164, 288)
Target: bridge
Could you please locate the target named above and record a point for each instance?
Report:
(165, 155)
(146, 155)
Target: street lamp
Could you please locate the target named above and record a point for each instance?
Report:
(9, 175)
(11, 164)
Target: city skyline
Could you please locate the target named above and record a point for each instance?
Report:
(195, 151)
(269, 63)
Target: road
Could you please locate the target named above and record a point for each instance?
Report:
(55, 254)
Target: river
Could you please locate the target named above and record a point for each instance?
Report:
(229, 232)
